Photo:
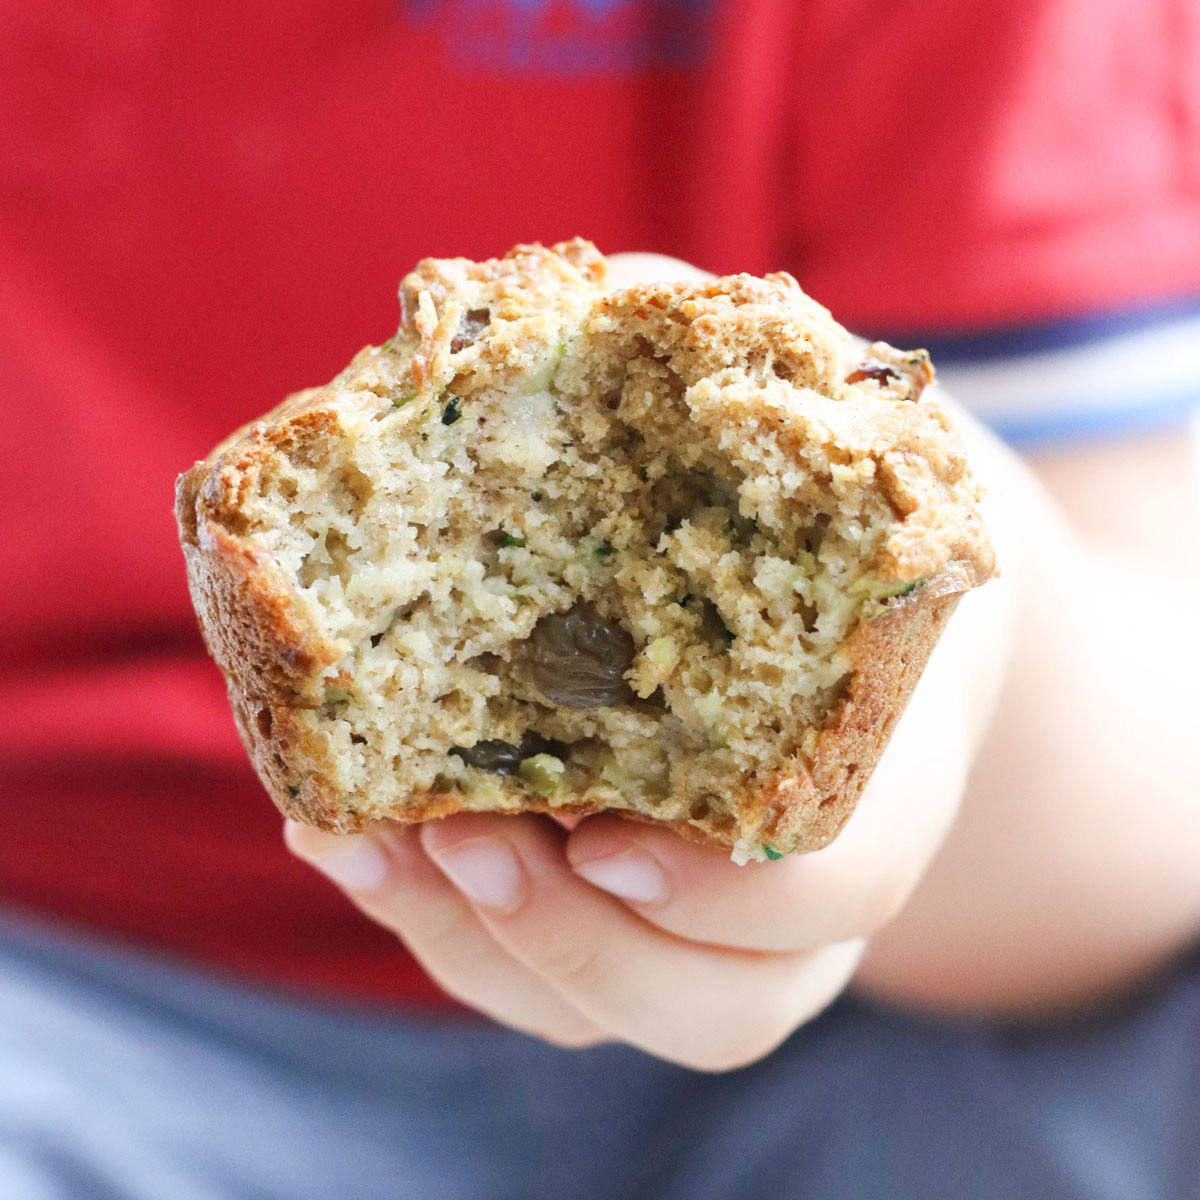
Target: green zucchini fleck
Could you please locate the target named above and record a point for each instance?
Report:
(871, 590)
(453, 410)
(772, 853)
(543, 775)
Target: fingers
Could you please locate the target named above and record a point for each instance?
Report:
(848, 890)
(610, 930)
(707, 1008)
(389, 877)
(624, 270)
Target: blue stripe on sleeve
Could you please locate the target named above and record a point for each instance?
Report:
(1038, 338)
(1147, 415)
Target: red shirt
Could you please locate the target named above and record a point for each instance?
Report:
(203, 207)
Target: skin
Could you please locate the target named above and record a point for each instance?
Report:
(1028, 846)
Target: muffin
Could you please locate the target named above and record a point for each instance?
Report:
(678, 551)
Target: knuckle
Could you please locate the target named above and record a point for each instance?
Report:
(571, 961)
(729, 1038)
(733, 1052)
(582, 1038)
(798, 997)
(419, 928)
(453, 983)
(525, 1015)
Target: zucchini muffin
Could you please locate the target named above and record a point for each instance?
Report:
(678, 552)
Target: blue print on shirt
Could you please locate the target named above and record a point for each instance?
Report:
(568, 37)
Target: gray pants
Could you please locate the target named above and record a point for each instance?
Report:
(122, 1077)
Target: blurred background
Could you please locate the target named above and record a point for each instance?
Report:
(204, 207)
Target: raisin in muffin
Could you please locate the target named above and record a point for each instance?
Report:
(678, 551)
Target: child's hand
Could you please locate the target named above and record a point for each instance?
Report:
(620, 931)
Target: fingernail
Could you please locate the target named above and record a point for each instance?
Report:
(485, 870)
(632, 874)
(354, 862)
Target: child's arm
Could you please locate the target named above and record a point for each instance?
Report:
(1074, 867)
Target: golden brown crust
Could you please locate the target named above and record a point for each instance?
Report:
(267, 648)
(889, 652)
(524, 288)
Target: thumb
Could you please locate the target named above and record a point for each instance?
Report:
(624, 270)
